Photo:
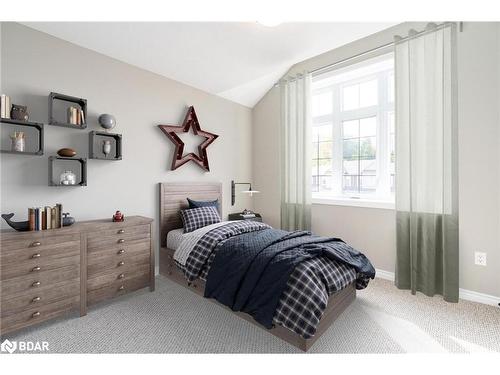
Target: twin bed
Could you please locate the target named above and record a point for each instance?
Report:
(315, 290)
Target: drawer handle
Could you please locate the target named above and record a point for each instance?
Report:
(36, 314)
(35, 269)
(121, 263)
(37, 255)
(36, 299)
(121, 231)
(121, 251)
(121, 276)
(121, 287)
(35, 244)
(36, 283)
(121, 240)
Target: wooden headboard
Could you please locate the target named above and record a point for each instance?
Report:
(173, 198)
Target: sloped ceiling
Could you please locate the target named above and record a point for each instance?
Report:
(239, 61)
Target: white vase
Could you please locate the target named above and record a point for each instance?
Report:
(106, 147)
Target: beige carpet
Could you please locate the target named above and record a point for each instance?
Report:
(383, 319)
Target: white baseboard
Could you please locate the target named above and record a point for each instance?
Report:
(468, 295)
(386, 275)
(486, 299)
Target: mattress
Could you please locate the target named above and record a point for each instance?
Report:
(174, 238)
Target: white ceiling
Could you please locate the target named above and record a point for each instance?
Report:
(239, 61)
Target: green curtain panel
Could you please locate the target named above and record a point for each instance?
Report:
(295, 153)
(426, 162)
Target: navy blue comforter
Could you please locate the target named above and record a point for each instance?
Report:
(251, 270)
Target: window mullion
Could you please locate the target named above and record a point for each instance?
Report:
(383, 157)
(336, 143)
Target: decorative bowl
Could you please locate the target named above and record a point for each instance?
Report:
(66, 152)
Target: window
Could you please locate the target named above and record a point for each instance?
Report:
(353, 132)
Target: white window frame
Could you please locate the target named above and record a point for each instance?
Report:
(383, 198)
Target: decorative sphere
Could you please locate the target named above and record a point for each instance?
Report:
(107, 121)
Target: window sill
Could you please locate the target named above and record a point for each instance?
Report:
(353, 202)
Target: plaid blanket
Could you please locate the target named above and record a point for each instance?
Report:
(306, 295)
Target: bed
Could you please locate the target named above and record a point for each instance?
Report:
(173, 198)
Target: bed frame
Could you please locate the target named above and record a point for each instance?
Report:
(172, 199)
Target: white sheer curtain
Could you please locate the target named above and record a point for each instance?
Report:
(426, 162)
(296, 152)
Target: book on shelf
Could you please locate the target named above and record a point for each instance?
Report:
(31, 218)
(75, 116)
(4, 106)
(59, 215)
(53, 217)
(56, 213)
(44, 219)
(39, 213)
(48, 217)
(36, 217)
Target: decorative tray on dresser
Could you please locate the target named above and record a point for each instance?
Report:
(45, 274)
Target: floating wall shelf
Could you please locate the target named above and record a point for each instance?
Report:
(82, 103)
(36, 125)
(96, 153)
(83, 170)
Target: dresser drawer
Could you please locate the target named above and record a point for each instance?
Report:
(36, 298)
(127, 273)
(132, 248)
(45, 252)
(38, 281)
(113, 263)
(104, 239)
(35, 240)
(117, 288)
(35, 266)
(38, 314)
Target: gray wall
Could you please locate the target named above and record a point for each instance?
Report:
(34, 64)
(372, 230)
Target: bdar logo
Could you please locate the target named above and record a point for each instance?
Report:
(8, 346)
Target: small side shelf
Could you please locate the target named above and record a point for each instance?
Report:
(95, 153)
(83, 170)
(36, 125)
(82, 103)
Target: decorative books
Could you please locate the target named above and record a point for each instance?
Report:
(45, 218)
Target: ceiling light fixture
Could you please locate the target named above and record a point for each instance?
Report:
(269, 22)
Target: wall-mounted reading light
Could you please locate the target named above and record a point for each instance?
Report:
(233, 190)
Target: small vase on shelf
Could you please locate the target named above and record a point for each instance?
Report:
(106, 147)
(18, 141)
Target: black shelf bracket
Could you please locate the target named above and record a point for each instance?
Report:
(99, 155)
(38, 126)
(82, 103)
(83, 170)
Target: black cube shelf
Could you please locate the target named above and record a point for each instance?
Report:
(38, 126)
(97, 154)
(82, 103)
(83, 170)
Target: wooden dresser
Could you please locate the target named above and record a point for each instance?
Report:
(45, 274)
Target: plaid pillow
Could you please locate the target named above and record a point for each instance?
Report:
(195, 218)
(198, 204)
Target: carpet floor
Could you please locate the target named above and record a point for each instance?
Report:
(382, 319)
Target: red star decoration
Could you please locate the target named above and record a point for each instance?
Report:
(190, 121)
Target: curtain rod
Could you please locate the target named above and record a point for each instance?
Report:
(330, 66)
(370, 51)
